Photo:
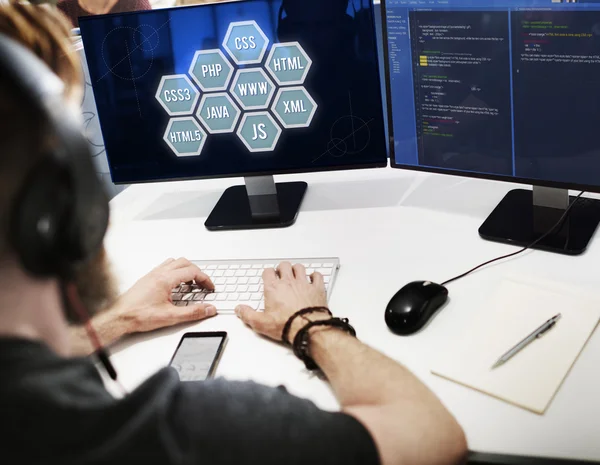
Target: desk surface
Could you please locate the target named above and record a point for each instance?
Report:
(388, 227)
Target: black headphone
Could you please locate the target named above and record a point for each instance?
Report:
(60, 215)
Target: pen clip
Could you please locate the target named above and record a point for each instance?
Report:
(550, 326)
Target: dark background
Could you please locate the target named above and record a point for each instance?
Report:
(338, 35)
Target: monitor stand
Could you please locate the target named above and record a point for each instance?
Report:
(523, 216)
(259, 204)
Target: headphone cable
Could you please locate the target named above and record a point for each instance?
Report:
(518, 252)
(74, 300)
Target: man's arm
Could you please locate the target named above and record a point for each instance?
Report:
(408, 423)
(146, 306)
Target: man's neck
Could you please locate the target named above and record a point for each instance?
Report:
(32, 309)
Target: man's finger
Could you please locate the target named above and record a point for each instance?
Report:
(179, 263)
(317, 280)
(191, 313)
(299, 271)
(250, 316)
(191, 272)
(285, 270)
(269, 276)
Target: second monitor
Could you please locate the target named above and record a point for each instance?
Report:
(252, 88)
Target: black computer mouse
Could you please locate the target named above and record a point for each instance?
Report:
(413, 306)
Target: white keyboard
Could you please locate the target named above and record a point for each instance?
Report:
(239, 282)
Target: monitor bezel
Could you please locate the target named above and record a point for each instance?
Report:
(378, 164)
(450, 172)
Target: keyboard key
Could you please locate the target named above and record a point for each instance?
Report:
(316, 265)
(211, 267)
(328, 265)
(325, 271)
(234, 267)
(245, 296)
(199, 297)
(309, 271)
(242, 288)
(223, 267)
(326, 279)
(185, 288)
(231, 281)
(246, 267)
(242, 281)
(252, 273)
(175, 289)
(234, 296)
(221, 297)
(230, 273)
(181, 303)
(189, 296)
(220, 281)
(218, 273)
(230, 288)
(254, 280)
(211, 297)
(240, 273)
(256, 296)
(253, 288)
(177, 296)
(257, 267)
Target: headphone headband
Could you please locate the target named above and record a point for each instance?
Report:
(61, 214)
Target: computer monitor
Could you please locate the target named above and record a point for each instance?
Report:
(245, 88)
(505, 90)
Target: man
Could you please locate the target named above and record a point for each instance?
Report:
(55, 408)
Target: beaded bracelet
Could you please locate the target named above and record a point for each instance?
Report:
(302, 339)
(288, 325)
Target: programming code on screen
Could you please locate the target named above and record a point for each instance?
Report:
(259, 86)
(502, 88)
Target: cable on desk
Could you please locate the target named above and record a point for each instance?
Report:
(518, 252)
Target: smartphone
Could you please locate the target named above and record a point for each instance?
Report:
(198, 354)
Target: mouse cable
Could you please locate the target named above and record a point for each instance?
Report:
(518, 252)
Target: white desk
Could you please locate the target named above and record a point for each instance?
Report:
(388, 227)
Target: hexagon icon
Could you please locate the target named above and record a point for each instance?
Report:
(253, 89)
(177, 95)
(294, 107)
(211, 70)
(288, 63)
(218, 113)
(185, 137)
(246, 43)
(259, 132)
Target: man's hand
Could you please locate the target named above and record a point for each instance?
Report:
(147, 306)
(286, 291)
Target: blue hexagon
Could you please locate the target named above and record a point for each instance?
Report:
(185, 137)
(246, 43)
(177, 95)
(211, 70)
(218, 113)
(253, 89)
(259, 132)
(288, 63)
(294, 107)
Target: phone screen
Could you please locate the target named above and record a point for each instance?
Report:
(195, 358)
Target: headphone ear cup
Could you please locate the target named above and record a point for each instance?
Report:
(39, 218)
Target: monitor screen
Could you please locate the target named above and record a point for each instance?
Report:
(237, 88)
(506, 89)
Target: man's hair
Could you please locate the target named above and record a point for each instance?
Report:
(43, 30)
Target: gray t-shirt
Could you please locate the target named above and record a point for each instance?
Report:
(57, 411)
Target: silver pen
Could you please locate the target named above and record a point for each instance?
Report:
(528, 340)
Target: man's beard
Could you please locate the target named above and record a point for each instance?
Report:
(95, 286)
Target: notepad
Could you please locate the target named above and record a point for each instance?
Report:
(532, 377)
